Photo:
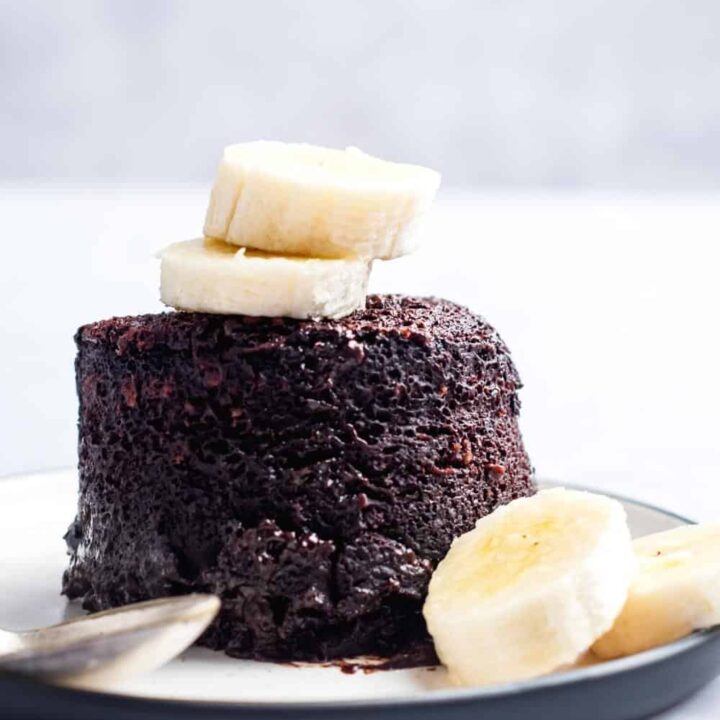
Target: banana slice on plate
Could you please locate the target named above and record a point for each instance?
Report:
(211, 276)
(531, 587)
(676, 591)
(306, 200)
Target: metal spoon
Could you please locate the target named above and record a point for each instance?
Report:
(109, 645)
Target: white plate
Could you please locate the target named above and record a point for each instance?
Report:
(35, 511)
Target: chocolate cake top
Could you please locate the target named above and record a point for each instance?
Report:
(420, 320)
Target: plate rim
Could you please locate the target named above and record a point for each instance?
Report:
(440, 697)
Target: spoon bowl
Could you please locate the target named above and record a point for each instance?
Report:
(109, 645)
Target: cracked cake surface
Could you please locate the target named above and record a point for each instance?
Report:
(310, 473)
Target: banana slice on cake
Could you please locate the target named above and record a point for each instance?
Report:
(676, 591)
(305, 200)
(531, 587)
(211, 276)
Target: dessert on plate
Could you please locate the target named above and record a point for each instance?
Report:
(304, 451)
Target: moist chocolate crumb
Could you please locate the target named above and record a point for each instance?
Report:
(311, 474)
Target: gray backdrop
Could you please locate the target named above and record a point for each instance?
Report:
(620, 93)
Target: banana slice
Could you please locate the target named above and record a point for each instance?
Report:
(306, 200)
(676, 591)
(211, 276)
(531, 587)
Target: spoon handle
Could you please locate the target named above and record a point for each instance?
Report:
(64, 661)
(111, 644)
